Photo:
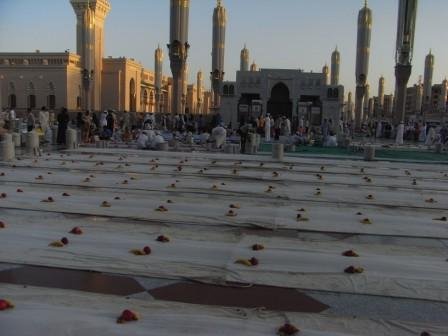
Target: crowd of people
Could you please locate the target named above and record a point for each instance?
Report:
(127, 126)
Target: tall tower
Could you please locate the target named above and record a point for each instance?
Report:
(244, 59)
(326, 73)
(254, 66)
(158, 69)
(335, 66)
(90, 16)
(200, 91)
(381, 84)
(219, 41)
(362, 60)
(178, 48)
(427, 82)
(407, 16)
(350, 106)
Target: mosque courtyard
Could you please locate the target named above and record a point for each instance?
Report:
(210, 244)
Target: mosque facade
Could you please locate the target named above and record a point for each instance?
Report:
(291, 93)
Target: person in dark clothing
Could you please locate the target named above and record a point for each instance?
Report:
(79, 120)
(244, 133)
(63, 120)
(106, 134)
(30, 121)
(95, 122)
(110, 122)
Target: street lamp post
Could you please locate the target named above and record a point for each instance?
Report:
(87, 78)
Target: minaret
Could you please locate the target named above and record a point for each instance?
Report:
(158, 72)
(244, 59)
(362, 60)
(427, 83)
(407, 16)
(200, 91)
(219, 41)
(90, 16)
(254, 66)
(419, 96)
(178, 48)
(335, 66)
(349, 106)
(381, 84)
(325, 72)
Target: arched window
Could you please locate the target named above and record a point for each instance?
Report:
(151, 101)
(231, 90)
(31, 101)
(225, 90)
(145, 100)
(51, 102)
(336, 93)
(12, 101)
(78, 102)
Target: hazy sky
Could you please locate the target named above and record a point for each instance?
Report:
(279, 33)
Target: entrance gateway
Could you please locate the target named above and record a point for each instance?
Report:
(280, 103)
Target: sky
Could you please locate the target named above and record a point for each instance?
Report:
(292, 34)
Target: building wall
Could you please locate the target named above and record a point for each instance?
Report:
(41, 75)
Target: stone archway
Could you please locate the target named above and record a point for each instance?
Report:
(280, 103)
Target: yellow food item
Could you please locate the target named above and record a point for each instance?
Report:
(56, 243)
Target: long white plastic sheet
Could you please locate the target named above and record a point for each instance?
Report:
(210, 257)
(42, 311)
(196, 202)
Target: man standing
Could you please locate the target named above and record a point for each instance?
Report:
(63, 120)
(44, 119)
(267, 128)
(30, 120)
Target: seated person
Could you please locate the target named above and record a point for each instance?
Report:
(106, 134)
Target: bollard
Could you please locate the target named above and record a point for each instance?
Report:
(162, 146)
(54, 136)
(369, 153)
(228, 149)
(251, 144)
(32, 143)
(189, 140)
(7, 150)
(71, 139)
(16, 139)
(278, 151)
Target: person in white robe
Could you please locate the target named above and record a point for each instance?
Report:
(379, 129)
(422, 135)
(431, 137)
(44, 119)
(219, 135)
(267, 128)
(142, 140)
(103, 120)
(287, 127)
